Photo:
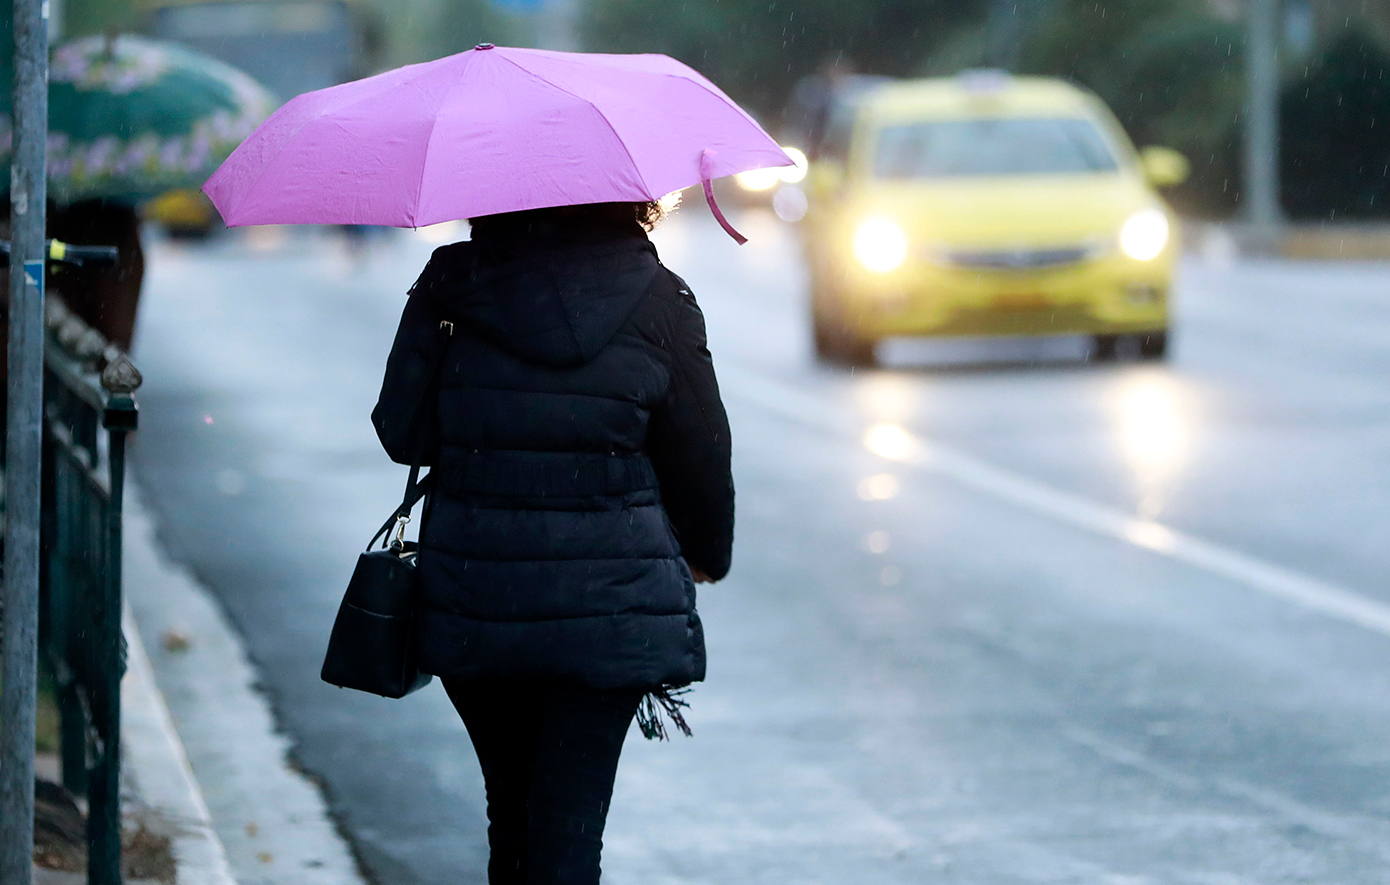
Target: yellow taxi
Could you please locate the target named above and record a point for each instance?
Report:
(184, 213)
(987, 204)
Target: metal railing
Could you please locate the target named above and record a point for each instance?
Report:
(88, 412)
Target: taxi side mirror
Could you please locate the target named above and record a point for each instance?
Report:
(1164, 167)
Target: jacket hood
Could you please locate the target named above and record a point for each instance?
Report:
(556, 304)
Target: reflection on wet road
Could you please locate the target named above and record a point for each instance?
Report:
(996, 615)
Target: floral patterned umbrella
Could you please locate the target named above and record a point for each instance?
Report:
(130, 118)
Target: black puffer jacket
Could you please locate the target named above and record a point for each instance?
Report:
(581, 459)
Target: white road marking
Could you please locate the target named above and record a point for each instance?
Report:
(902, 446)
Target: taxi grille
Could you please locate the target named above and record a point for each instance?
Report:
(1018, 259)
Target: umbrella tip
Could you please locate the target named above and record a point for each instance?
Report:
(484, 46)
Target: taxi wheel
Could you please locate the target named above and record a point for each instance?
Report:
(834, 341)
(1153, 345)
(1105, 348)
(836, 344)
(858, 352)
(824, 340)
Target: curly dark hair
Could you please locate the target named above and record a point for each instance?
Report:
(650, 214)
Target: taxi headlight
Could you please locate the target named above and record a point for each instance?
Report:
(1145, 235)
(880, 244)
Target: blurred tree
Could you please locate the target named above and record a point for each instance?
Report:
(1334, 18)
(418, 30)
(1173, 74)
(415, 30)
(758, 49)
(1336, 145)
(82, 17)
(1173, 71)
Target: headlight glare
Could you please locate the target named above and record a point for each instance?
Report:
(1145, 235)
(793, 174)
(880, 244)
(758, 179)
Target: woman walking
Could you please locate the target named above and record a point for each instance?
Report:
(556, 377)
(582, 488)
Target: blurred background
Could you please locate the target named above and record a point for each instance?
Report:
(1059, 374)
(1172, 70)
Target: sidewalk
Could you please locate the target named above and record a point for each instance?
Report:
(202, 762)
(202, 745)
(158, 790)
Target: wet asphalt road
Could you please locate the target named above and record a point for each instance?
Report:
(996, 615)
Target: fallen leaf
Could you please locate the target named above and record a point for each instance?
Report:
(176, 641)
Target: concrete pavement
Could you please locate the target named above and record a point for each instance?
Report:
(251, 818)
(917, 673)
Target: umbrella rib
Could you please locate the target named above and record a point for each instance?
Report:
(265, 167)
(597, 110)
(424, 164)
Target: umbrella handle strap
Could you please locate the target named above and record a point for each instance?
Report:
(706, 162)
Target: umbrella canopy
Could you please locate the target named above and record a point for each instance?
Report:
(489, 130)
(130, 117)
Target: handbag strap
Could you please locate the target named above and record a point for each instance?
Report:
(414, 491)
(415, 488)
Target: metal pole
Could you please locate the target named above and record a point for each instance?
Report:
(28, 196)
(55, 20)
(104, 788)
(1262, 207)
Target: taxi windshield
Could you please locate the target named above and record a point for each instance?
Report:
(991, 146)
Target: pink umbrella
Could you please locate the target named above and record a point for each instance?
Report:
(490, 130)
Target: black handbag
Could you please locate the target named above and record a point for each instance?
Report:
(373, 646)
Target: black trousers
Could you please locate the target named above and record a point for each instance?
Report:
(549, 754)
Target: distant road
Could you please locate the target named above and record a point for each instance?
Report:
(996, 615)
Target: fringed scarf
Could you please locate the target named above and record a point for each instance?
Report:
(665, 700)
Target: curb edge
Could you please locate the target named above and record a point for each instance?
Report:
(159, 767)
